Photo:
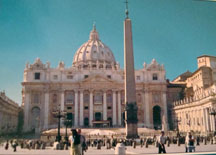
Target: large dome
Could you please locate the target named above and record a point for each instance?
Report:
(94, 54)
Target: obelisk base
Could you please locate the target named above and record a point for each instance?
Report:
(131, 131)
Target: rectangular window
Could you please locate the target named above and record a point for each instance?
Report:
(70, 98)
(86, 107)
(138, 78)
(98, 98)
(86, 76)
(70, 77)
(55, 77)
(109, 107)
(69, 108)
(109, 76)
(37, 76)
(155, 76)
(36, 98)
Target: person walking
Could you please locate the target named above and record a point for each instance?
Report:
(161, 143)
(14, 145)
(75, 143)
(7, 145)
(189, 143)
(83, 145)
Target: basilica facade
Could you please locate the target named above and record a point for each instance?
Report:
(91, 91)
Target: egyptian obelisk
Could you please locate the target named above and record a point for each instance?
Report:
(130, 87)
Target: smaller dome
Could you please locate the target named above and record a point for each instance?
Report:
(94, 53)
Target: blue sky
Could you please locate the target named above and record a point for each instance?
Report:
(174, 32)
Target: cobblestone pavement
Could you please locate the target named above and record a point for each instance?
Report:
(173, 149)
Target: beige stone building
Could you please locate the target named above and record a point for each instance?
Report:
(91, 90)
(193, 111)
(8, 114)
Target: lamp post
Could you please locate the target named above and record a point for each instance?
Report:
(177, 121)
(66, 122)
(59, 114)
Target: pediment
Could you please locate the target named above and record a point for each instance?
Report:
(154, 66)
(97, 79)
(37, 64)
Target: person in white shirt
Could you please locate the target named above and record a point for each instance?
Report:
(189, 143)
(161, 143)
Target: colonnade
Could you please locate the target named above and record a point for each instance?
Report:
(196, 119)
(79, 111)
(79, 107)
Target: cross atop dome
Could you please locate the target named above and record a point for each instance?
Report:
(94, 34)
(94, 26)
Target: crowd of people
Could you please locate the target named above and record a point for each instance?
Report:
(78, 144)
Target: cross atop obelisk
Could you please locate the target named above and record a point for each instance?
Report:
(126, 11)
(130, 87)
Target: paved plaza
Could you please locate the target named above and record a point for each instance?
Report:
(173, 149)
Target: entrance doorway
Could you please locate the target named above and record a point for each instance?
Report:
(35, 118)
(110, 120)
(123, 119)
(86, 122)
(98, 116)
(157, 117)
(70, 117)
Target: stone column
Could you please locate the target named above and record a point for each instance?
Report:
(76, 109)
(104, 106)
(165, 110)
(62, 106)
(114, 108)
(91, 108)
(46, 111)
(193, 120)
(164, 99)
(26, 111)
(212, 122)
(1, 118)
(119, 108)
(81, 108)
(146, 102)
(207, 120)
